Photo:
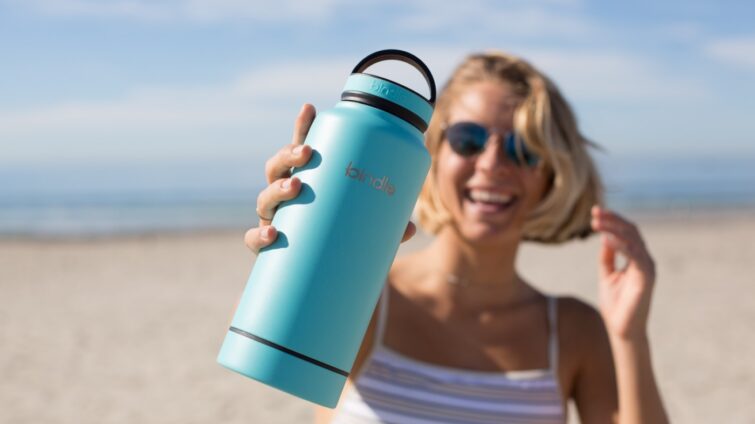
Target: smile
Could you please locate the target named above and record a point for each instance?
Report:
(489, 202)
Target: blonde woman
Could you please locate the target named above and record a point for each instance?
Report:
(458, 336)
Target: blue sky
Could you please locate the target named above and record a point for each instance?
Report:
(121, 82)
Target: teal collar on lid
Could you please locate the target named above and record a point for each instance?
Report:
(393, 97)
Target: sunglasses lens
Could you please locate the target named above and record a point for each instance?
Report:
(511, 148)
(517, 151)
(467, 138)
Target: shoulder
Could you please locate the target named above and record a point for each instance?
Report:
(579, 319)
(586, 347)
(580, 327)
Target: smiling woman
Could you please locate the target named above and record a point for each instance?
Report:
(512, 94)
(459, 336)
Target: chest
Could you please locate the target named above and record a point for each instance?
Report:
(493, 340)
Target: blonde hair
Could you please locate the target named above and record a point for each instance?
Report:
(549, 129)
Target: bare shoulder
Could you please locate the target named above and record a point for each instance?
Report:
(580, 320)
(586, 349)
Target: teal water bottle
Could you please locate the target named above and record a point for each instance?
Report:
(310, 296)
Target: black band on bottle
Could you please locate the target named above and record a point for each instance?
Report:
(289, 351)
(386, 105)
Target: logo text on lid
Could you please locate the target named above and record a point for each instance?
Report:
(381, 88)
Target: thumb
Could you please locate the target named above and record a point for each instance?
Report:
(607, 254)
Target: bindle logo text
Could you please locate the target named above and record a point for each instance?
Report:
(381, 184)
(382, 89)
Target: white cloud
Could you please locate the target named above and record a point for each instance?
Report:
(586, 74)
(252, 97)
(263, 102)
(189, 10)
(486, 18)
(174, 122)
(681, 31)
(739, 52)
(517, 17)
(615, 77)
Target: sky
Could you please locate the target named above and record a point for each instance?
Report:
(202, 85)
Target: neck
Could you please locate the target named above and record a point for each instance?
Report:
(486, 272)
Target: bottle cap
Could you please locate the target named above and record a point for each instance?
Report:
(388, 95)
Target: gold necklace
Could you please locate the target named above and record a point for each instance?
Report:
(457, 281)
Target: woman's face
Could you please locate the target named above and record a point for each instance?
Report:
(489, 196)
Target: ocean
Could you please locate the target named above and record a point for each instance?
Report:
(88, 200)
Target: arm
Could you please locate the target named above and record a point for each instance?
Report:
(624, 305)
(637, 388)
(614, 381)
(595, 392)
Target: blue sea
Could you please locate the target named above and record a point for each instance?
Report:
(89, 200)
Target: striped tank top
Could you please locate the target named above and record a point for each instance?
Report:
(394, 388)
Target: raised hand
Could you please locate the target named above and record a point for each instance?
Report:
(624, 293)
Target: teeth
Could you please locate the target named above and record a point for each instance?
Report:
(488, 196)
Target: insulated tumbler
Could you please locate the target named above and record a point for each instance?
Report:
(310, 295)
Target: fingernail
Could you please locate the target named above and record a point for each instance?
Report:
(298, 150)
(266, 233)
(286, 184)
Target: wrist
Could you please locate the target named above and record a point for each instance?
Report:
(638, 338)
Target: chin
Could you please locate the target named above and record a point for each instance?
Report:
(490, 233)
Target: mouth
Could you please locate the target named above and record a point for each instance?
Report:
(489, 202)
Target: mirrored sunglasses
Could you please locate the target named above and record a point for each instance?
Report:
(469, 138)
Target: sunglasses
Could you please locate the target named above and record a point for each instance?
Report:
(468, 139)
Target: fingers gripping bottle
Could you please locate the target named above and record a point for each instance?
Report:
(310, 296)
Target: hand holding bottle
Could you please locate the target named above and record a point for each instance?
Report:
(284, 187)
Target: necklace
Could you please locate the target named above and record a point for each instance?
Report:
(456, 281)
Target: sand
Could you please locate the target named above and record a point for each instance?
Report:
(126, 330)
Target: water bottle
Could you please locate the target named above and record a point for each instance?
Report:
(311, 293)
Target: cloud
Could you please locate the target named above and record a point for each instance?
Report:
(180, 120)
(243, 116)
(190, 10)
(254, 96)
(522, 18)
(681, 31)
(615, 77)
(482, 18)
(587, 75)
(739, 52)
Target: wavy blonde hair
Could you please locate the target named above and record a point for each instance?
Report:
(547, 124)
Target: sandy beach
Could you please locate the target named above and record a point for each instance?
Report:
(126, 329)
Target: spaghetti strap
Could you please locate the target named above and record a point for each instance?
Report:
(553, 333)
(552, 325)
(393, 387)
(382, 314)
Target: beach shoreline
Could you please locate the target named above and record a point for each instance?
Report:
(125, 328)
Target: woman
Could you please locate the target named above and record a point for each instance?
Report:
(466, 338)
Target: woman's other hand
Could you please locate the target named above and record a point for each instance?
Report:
(625, 292)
